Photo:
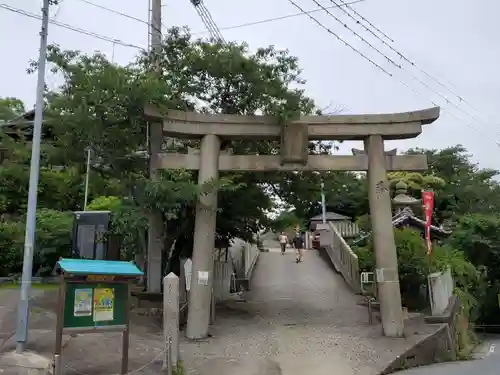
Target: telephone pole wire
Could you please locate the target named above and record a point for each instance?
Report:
(29, 241)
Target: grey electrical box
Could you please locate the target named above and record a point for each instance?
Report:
(91, 236)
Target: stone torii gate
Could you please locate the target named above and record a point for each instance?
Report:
(294, 137)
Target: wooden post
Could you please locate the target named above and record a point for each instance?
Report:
(171, 320)
(182, 282)
(60, 314)
(126, 335)
(212, 306)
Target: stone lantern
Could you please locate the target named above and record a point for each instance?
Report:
(403, 201)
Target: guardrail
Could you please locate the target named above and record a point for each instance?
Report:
(347, 228)
(343, 258)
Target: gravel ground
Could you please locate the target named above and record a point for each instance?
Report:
(298, 317)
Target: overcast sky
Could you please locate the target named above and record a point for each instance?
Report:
(454, 41)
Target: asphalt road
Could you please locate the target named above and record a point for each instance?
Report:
(489, 365)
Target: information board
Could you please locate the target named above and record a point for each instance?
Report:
(95, 305)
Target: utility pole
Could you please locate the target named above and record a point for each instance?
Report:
(155, 138)
(29, 241)
(87, 174)
(323, 202)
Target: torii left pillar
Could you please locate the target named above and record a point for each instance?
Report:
(200, 294)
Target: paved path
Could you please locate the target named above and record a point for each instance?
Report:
(298, 318)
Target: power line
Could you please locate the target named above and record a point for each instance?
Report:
(402, 56)
(364, 26)
(355, 33)
(216, 34)
(58, 9)
(70, 27)
(451, 114)
(348, 6)
(339, 38)
(273, 19)
(215, 31)
(248, 24)
(390, 74)
(207, 19)
(114, 11)
(394, 63)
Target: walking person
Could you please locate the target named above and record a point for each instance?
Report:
(298, 244)
(283, 241)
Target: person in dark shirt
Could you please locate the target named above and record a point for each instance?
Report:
(298, 244)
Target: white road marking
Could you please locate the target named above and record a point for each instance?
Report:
(492, 349)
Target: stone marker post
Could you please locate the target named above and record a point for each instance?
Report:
(171, 320)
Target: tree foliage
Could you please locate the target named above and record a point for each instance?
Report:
(99, 107)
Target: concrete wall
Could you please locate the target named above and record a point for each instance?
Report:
(439, 346)
(440, 286)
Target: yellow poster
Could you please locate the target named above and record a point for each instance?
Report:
(104, 300)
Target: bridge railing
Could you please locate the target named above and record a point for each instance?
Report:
(340, 253)
(347, 228)
(251, 255)
(233, 269)
(223, 279)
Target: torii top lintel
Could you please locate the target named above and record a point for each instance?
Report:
(192, 125)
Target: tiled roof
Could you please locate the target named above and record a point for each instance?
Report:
(406, 216)
(330, 216)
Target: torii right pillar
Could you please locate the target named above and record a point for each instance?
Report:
(383, 237)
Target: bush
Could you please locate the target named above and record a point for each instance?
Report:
(478, 235)
(11, 247)
(414, 266)
(128, 223)
(53, 240)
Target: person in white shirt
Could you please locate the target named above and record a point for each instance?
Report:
(283, 241)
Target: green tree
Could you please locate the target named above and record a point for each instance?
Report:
(11, 108)
(478, 236)
(345, 193)
(414, 266)
(467, 187)
(53, 240)
(100, 105)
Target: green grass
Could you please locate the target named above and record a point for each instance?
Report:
(179, 370)
(38, 286)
